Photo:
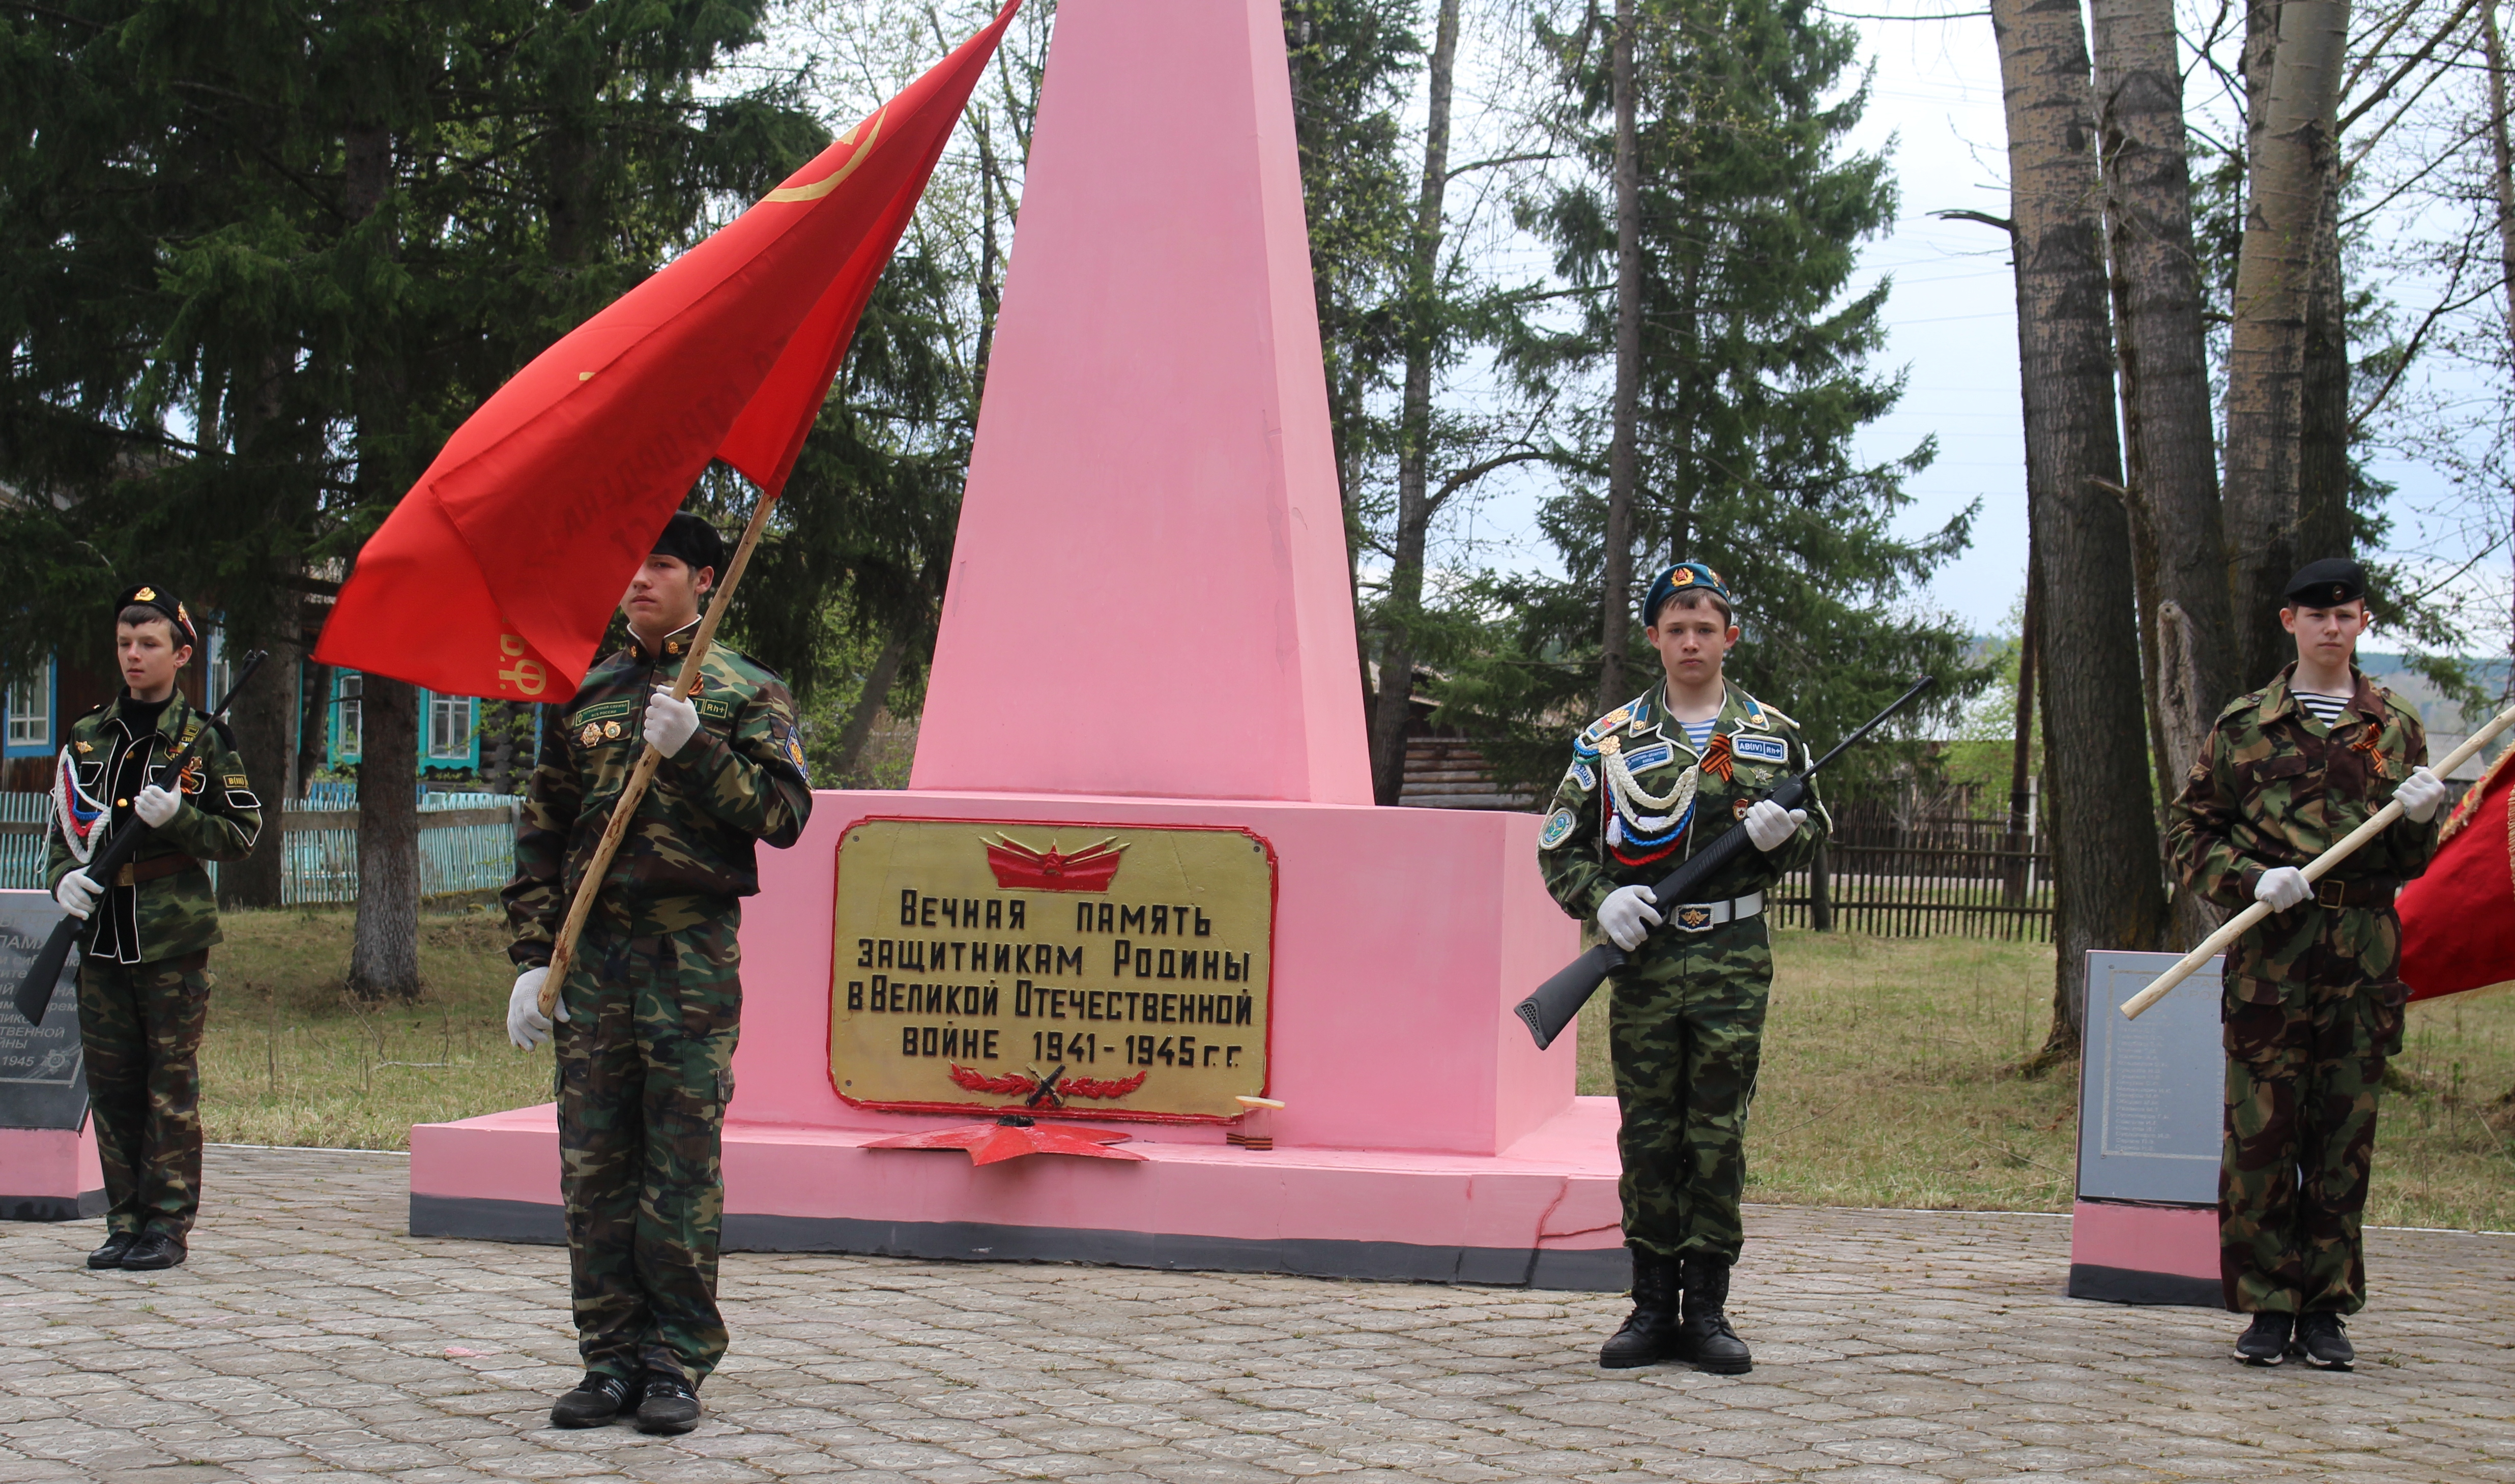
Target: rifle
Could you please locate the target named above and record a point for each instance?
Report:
(35, 991)
(1559, 999)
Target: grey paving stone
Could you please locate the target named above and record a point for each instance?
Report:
(309, 1338)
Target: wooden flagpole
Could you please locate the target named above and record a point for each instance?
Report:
(581, 906)
(2243, 920)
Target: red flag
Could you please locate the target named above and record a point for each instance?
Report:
(2459, 917)
(497, 573)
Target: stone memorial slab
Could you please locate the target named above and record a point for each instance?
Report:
(2150, 1088)
(43, 1073)
(2145, 1227)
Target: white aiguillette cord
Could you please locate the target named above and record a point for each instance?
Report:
(648, 759)
(2242, 921)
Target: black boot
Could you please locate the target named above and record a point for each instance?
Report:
(116, 1247)
(596, 1400)
(153, 1251)
(1704, 1339)
(1649, 1333)
(671, 1404)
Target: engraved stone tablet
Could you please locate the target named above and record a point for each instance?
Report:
(975, 962)
(2149, 1089)
(43, 1073)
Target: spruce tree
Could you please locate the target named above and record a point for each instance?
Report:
(1755, 381)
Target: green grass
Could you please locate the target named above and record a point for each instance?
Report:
(290, 1058)
(1888, 1078)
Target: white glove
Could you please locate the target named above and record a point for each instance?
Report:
(2283, 887)
(77, 894)
(671, 721)
(155, 806)
(1629, 914)
(2420, 795)
(1770, 826)
(527, 1026)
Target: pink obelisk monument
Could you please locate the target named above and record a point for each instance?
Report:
(1137, 855)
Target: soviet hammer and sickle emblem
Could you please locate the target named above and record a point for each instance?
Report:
(529, 675)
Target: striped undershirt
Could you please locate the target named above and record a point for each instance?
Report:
(1699, 732)
(2326, 708)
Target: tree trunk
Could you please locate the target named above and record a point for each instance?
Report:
(1624, 474)
(2172, 437)
(2323, 523)
(264, 719)
(869, 703)
(2291, 157)
(2021, 759)
(1424, 332)
(2104, 850)
(383, 955)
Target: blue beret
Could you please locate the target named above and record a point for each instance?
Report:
(1684, 577)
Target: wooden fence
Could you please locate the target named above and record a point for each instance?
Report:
(1901, 868)
(466, 843)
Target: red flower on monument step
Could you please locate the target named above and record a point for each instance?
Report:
(1021, 866)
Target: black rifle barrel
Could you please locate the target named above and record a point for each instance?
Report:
(35, 991)
(1554, 1003)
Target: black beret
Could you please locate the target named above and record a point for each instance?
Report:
(146, 596)
(2326, 584)
(693, 541)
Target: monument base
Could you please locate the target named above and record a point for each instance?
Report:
(1421, 1134)
(2136, 1252)
(1543, 1213)
(50, 1174)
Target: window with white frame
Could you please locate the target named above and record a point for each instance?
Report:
(31, 710)
(351, 733)
(449, 727)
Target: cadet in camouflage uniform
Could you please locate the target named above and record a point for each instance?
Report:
(2312, 999)
(1670, 771)
(652, 1004)
(144, 983)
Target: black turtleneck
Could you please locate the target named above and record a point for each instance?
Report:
(142, 715)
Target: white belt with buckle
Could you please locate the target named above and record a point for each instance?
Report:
(1702, 916)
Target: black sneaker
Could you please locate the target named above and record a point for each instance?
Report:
(671, 1404)
(154, 1251)
(2322, 1341)
(116, 1247)
(2266, 1343)
(596, 1400)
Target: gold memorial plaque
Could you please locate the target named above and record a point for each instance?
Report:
(975, 960)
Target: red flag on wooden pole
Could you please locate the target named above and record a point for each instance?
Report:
(497, 573)
(2459, 917)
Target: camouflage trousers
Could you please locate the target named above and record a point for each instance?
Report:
(644, 1071)
(141, 1024)
(1686, 1030)
(2303, 1075)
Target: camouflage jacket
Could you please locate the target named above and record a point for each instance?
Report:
(162, 905)
(1600, 836)
(692, 849)
(2275, 787)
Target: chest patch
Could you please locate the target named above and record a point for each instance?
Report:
(716, 708)
(1753, 749)
(1654, 756)
(599, 713)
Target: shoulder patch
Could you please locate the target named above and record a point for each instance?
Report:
(1756, 749)
(1611, 722)
(1580, 773)
(1559, 829)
